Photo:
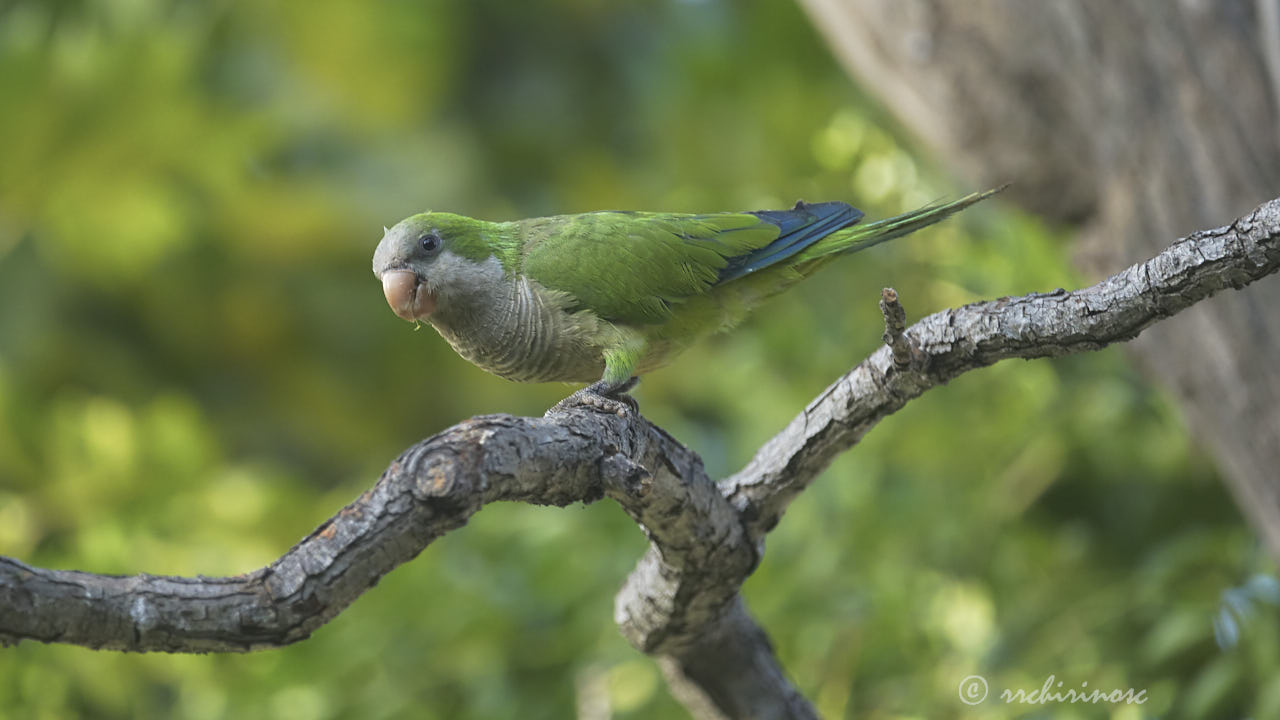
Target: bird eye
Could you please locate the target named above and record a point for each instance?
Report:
(430, 242)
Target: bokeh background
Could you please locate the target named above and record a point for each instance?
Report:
(197, 367)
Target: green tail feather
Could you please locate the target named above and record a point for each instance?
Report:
(861, 237)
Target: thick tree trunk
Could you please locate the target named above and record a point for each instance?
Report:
(1134, 120)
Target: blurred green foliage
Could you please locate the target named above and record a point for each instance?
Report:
(197, 367)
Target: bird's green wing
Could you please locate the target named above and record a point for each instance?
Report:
(634, 267)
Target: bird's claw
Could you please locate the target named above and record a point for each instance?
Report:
(599, 397)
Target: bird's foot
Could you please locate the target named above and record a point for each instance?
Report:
(601, 396)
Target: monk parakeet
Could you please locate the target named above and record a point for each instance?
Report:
(603, 297)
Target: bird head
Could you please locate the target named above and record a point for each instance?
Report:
(418, 261)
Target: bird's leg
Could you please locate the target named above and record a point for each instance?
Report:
(609, 393)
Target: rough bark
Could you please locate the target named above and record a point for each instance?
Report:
(1133, 120)
(682, 603)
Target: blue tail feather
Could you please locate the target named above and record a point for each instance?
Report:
(798, 228)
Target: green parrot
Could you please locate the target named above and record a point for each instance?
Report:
(604, 297)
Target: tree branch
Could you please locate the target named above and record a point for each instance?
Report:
(432, 488)
(681, 603)
(895, 329)
(955, 341)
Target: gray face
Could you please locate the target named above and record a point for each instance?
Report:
(405, 262)
(413, 244)
(420, 273)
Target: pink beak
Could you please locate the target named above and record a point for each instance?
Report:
(406, 296)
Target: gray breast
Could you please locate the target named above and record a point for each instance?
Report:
(523, 332)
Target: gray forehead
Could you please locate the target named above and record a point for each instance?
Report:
(390, 250)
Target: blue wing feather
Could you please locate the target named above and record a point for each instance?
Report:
(798, 228)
